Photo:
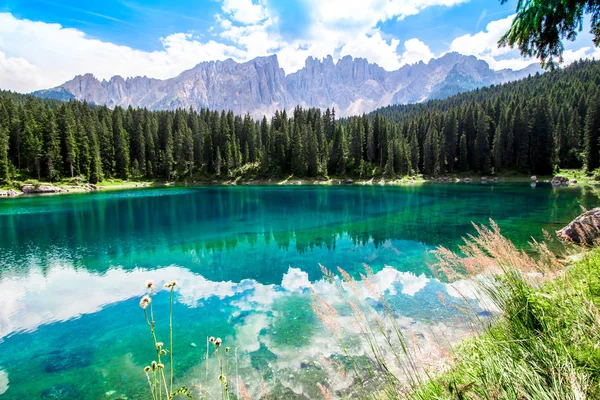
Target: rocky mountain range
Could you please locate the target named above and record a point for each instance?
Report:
(260, 86)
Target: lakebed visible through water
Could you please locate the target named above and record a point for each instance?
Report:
(246, 259)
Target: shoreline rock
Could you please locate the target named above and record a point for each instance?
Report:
(560, 181)
(584, 230)
(29, 189)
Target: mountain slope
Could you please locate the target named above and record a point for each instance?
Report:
(260, 86)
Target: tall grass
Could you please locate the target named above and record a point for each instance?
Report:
(543, 342)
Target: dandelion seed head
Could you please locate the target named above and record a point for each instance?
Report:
(218, 341)
(163, 352)
(212, 339)
(149, 284)
(145, 301)
(147, 369)
(159, 345)
(161, 365)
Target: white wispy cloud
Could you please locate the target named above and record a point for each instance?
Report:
(37, 55)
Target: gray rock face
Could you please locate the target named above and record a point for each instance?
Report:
(584, 230)
(260, 86)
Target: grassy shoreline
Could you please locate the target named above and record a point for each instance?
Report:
(543, 344)
(73, 186)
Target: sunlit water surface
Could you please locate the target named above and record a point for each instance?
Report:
(246, 259)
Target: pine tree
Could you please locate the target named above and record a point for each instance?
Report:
(463, 157)
(339, 152)
(414, 149)
(312, 156)
(428, 150)
(298, 159)
(51, 159)
(218, 162)
(95, 170)
(66, 126)
(357, 145)
(4, 163)
(389, 165)
(121, 143)
(482, 145)
(498, 149)
(592, 135)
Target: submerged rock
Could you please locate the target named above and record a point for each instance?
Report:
(64, 360)
(62, 392)
(584, 229)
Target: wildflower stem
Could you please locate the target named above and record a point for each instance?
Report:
(171, 337)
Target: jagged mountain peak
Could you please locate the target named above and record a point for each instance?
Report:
(260, 86)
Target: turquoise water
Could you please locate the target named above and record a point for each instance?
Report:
(72, 270)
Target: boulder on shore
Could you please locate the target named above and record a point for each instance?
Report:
(28, 188)
(584, 230)
(560, 181)
(12, 193)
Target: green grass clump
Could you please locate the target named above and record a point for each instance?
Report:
(544, 345)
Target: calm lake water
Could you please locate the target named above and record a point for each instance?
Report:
(73, 268)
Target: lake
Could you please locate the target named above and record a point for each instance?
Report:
(246, 260)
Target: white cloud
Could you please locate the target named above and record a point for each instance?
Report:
(3, 382)
(375, 49)
(16, 72)
(244, 11)
(484, 42)
(570, 56)
(415, 51)
(36, 55)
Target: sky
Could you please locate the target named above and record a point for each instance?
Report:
(44, 43)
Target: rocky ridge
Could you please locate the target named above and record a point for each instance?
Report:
(260, 86)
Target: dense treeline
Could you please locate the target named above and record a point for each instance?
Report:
(535, 125)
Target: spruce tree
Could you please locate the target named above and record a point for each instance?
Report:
(4, 163)
(592, 135)
(482, 145)
(121, 143)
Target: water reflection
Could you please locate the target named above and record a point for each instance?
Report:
(241, 229)
(99, 311)
(247, 260)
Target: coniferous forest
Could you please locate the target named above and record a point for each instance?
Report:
(537, 125)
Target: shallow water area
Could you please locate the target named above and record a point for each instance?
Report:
(246, 260)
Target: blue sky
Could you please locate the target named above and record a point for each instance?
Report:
(45, 42)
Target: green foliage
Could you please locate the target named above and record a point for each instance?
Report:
(535, 126)
(540, 26)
